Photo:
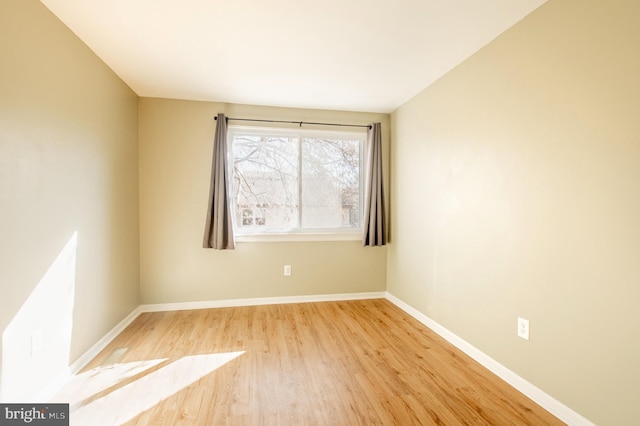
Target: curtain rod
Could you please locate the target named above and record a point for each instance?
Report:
(297, 122)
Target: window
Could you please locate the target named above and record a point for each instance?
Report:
(296, 181)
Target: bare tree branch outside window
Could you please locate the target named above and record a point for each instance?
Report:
(288, 182)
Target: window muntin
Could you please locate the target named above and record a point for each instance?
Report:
(301, 182)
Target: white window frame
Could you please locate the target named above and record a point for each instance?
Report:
(300, 233)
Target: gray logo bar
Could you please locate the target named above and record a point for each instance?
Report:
(34, 414)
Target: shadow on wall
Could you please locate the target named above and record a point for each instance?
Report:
(37, 342)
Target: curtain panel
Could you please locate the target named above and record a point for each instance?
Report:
(218, 233)
(374, 226)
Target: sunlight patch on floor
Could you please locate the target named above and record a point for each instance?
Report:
(86, 386)
(97, 399)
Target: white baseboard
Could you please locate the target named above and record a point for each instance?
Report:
(207, 304)
(54, 386)
(534, 393)
(45, 394)
(83, 360)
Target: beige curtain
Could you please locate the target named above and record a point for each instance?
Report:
(218, 233)
(374, 226)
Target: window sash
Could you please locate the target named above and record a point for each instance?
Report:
(297, 228)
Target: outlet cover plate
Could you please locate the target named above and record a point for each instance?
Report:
(523, 328)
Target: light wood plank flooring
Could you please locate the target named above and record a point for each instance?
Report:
(332, 363)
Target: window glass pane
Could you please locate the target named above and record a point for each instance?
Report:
(295, 181)
(330, 183)
(265, 182)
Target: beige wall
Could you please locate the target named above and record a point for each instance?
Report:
(176, 144)
(68, 165)
(516, 192)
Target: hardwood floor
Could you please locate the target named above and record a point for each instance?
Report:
(332, 363)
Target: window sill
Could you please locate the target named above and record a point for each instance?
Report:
(264, 238)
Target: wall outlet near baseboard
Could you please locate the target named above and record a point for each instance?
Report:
(36, 342)
(523, 328)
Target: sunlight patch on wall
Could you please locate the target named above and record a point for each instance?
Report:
(37, 342)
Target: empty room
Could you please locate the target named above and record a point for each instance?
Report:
(328, 213)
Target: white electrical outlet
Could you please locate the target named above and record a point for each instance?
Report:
(287, 270)
(523, 328)
(36, 342)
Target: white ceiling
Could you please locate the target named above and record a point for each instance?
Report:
(360, 55)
